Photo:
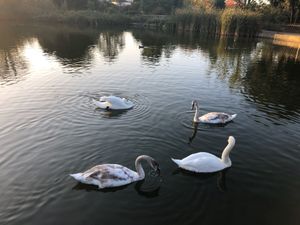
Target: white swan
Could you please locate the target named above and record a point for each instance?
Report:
(114, 175)
(212, 117)
(203, 162)
(113, 102)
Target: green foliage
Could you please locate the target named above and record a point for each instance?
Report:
(14, 9)
(274, 15)
(86, 17)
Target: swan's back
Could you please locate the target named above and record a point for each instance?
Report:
(108, 175)
(201, 162)
(216, 117)
(117, 102)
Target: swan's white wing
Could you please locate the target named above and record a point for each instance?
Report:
(202, 162)
(111, 175)
(197, 156)
(215, 117)
(119, 103)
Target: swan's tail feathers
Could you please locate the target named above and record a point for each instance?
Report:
(77, 176)
(233, 116)
(177, 161)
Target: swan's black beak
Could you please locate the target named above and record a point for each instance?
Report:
(193, 105)
(155, 167)
(157, 170)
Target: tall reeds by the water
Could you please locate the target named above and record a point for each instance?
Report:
(239, 22)
(228, 22)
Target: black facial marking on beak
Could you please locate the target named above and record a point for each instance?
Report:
(158, 170)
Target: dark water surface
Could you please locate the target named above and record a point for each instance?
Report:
(50, 128)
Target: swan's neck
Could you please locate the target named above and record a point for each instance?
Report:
(225, 155)
(196, 116)
(139, 169)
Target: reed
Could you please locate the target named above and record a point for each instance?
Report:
(238, 22)
(228, 22)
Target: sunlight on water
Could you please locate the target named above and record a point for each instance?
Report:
(37, 59)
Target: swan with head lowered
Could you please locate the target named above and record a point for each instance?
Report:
(212, 117)
(203, 162)
(114, 175)
(113, 103)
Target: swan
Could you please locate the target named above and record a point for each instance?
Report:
(203, 162)
(212, 117)
(113, 102)
(114, 175)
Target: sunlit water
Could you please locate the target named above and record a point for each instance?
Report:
(50, 128)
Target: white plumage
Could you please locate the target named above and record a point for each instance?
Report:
(113, 103)
(203, 162)
(212, 117)
(114, 175)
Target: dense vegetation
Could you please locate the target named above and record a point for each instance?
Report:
(225, 17)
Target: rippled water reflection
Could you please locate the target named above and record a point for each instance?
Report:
(49, 126)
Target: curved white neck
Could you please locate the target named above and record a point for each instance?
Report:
(225, 154)
(138, 166)
(196, 116)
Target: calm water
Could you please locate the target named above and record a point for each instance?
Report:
(49, 127)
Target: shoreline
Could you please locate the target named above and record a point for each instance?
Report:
(286, 39)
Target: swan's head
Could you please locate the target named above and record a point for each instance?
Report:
(194, 104)
(231, 140)
(152, 162)
(155, 166)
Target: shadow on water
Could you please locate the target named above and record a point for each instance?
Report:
(151, 192)
(220, 177)
(111, 113)
(13, 65)
(200, 126)
(195, 129)
(90, 187)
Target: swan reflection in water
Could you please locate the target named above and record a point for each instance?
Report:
(150, 192)
(220, 177)
(113, 113)
(195, 129)
(203, 125)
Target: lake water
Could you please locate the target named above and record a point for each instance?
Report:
(50, 128)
